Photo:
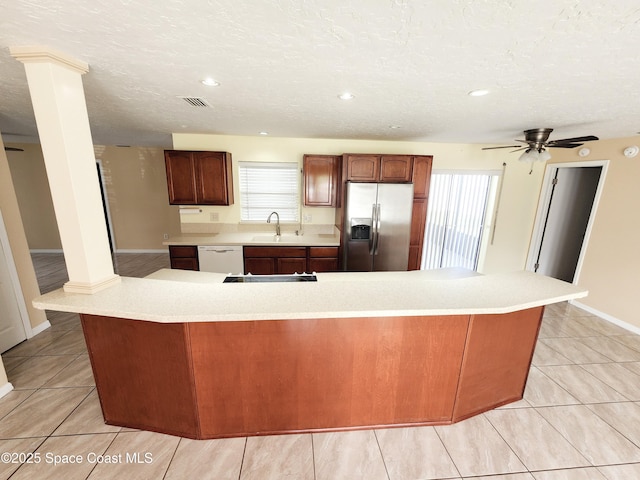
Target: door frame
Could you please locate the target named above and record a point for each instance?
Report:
(544, 202)
(14, 279)
(105, 206)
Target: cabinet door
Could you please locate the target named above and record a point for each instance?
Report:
(213, 177)
(421, 176)
(321, 177)
(185, 264)
(363, 168)
(259, 266)
(288, 265)
(181, 177)
(323, 264)
(416, 239)
(395, 168)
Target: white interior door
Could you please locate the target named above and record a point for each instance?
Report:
(11, 323)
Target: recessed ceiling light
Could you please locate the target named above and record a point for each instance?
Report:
(264, 133)
(346, 96)
(478, 93)
(210, 82)
(394, 127)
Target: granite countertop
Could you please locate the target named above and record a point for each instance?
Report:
(170, 296)
(257, 239)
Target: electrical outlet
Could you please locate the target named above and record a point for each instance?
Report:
(306, 218)
(214, 216)
(165, 236)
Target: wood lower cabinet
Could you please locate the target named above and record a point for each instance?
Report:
(323, 259)
(184, 257)
(275, 260)
(288, 260)
(321, 180)
(199, 178)
(258, 377)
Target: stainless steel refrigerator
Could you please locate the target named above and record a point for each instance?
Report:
(377, 226)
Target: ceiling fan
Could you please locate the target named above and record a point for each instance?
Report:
(537, 142)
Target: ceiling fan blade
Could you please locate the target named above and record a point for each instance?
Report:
(505, 146)
(565, 145)
(587, 138)
(13, 149)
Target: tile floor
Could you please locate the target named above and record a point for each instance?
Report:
(579, 420)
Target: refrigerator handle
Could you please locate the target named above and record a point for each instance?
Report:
(377, 230)
(372, 233)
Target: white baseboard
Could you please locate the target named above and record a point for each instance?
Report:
(40, 328)
(607, 317)
(6, 388)
(46, 250)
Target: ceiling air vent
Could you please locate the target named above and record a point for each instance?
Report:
(196, 101)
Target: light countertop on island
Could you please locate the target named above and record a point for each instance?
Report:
(171, 296)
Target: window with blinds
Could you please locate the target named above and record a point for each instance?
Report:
(267, 187)
(455, 219)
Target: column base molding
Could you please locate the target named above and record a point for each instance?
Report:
(90, 288)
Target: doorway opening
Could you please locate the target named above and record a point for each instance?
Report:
(456, 218)
(566, 211)
(14, 320)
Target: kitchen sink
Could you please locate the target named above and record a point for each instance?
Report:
(289, 238)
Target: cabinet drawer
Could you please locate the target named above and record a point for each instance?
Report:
(182, 251)
(319, 252)
(275, 252)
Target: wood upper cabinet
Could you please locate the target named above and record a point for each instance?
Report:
(321, 180)
(199, 178)
(395, 168)
(362, 168)
(378, 168)
(421, 175)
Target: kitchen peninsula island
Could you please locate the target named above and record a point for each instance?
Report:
(182, 353)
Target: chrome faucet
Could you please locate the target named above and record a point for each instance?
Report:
(277, 222)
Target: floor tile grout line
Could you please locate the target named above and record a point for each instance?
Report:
(384, 463)
(173, 455)
(435, 430)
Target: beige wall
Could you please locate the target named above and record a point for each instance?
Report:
(18, 240)
(517, 207)
(34, 197)
(136, 185)
(611, 266)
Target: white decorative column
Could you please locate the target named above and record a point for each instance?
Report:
(57, 94)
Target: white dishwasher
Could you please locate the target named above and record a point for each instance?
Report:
(221, 259)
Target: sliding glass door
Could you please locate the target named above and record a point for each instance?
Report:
(455, 219)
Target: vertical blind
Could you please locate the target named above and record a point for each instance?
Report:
(266, 187)
(455, 219)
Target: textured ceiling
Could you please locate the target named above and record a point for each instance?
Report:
(281, 64)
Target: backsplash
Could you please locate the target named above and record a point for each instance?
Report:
(315, 229)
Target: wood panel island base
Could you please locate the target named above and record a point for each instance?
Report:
(225, 379)
(183, 353)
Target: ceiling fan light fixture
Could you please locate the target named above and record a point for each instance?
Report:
(544, 155)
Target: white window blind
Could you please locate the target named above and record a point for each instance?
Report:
(455, 220)
(267, 187)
